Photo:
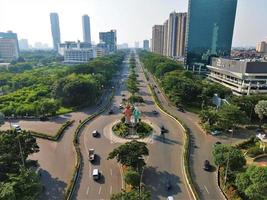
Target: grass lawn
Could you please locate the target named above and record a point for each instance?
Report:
(64, 110)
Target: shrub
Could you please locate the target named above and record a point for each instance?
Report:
(248, 143)
(254, 151)
(143, 129)
(120, 129)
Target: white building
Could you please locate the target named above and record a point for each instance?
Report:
(9, 48)
(243, 77)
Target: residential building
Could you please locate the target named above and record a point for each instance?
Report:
(86, 29)
(110, 39)
(172, 35)
(243, 77)
(146, 45)
(55, 30)
(23, 44)
(165, 40)
(181, 33)
(157, 39)
(210, 27)
(262, 47)
(9, 48)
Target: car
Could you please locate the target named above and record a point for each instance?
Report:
(16, 127)
(96, 174)
(155, 112)
(259, 130)
(121, 106)
(123, 99)
(217, 143)
(110, 112)
(207, 165)
(216, 132)
(163, 130)
(123, 95)
(95, 133)
(181, 109)
(91, 155)
(170, 198)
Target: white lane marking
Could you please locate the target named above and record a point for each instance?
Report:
(100, 190)
(206, 189)
(110, 172)
(87, 191)
(110, 191)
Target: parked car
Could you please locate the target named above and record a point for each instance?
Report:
(96, 174)
(216, 132)
(91, 155)
(95, 133)
(207, 165)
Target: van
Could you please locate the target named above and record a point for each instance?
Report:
(96, 174)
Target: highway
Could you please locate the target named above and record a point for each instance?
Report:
(200, 148)
(164, 161)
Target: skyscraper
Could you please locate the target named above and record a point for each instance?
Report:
(109, 39)
(55, 29)
(210, 30)
(146, 45)
(172, 33)
(165, 41)
(9, 48)
(86, 29)
(157, 39)
(181, 33)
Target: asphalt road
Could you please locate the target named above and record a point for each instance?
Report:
(164, 161)
(201, 148)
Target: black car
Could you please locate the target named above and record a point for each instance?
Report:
(181, 109)
(155, 112)
(110, 112)
(163, 130)
(207, 165)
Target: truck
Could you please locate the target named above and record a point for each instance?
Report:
(91, 154)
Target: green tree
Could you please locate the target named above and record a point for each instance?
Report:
(130, 154)
(221, 153)
(132, 195)
(132, 178)
(261, 109)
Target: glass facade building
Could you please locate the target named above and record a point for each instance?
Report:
(209, 30)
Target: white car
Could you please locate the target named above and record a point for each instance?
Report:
(96, 174)
(170, 198)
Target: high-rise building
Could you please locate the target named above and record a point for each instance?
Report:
(181, 33)
(165, 41)
(262, 47)
(55, 30)
(86, 29)
(157, 39)
(146, 45)
(209, 30)
(9, 47)
(23, 44)
(110, 40)
(172, 34)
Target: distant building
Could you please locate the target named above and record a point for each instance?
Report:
(157, 39)
(23, 44)
(165, 40)
(146, 45)
(110, 39)
(41, 46)
(209, 30)
(76, 52)
(181, 34)
(172, 32)
(55, 30)
(9, 48)
(122, 46)
(86, 29)
(136, 45)
(243, 77)
(262, 47)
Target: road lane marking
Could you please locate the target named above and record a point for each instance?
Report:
(111, 172)
(206, 189)
(87, 191)
(100, 190)
(110, 191)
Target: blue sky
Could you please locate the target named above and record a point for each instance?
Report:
(133, 19)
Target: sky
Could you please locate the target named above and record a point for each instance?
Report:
(133, 19)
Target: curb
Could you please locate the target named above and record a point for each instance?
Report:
(70, 190)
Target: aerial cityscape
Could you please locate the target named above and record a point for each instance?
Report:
(136, 100)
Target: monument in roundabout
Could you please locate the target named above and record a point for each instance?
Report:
(130, 125)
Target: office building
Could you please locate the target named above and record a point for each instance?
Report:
(165, 41)
(210, 27)
(86, 29)
(76, 52)
(181, 33)
(9, 47)
(110, 40)
(146, 45)
(55, 30)
(157, 39)
(243, 77)
(23, 44)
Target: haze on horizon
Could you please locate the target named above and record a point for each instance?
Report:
(133, 19)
